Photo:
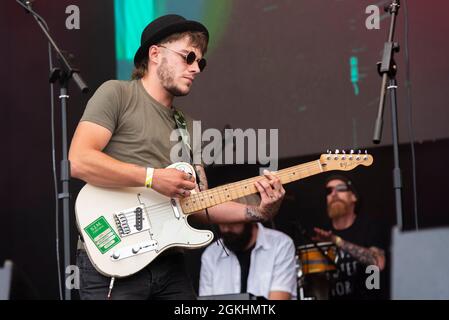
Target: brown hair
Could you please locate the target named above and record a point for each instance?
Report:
(197, 40)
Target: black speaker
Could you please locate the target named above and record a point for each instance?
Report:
(420, 264)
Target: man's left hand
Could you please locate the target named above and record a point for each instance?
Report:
(272, 193)
(323, 235)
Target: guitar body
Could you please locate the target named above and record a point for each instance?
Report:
(124, 229)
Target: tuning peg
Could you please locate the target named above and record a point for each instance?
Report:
(351, 153)
(358, 156)
(336, 154)
(365, 157)
(329, 153)
(344, 155)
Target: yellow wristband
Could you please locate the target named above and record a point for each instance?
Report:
(149, 178)
(338, 240)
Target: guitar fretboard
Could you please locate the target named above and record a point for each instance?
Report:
(235, 190)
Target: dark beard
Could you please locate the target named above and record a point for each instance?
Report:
(165, 75)
(337, 208)
(238, 242)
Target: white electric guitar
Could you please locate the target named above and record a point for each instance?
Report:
(124, 229)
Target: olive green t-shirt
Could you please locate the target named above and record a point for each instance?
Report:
(140, 125)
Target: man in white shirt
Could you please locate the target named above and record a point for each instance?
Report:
(257, 260)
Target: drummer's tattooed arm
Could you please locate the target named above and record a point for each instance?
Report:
(366, 256)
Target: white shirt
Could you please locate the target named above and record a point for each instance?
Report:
(272, 268)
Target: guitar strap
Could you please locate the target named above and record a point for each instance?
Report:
(181, 124)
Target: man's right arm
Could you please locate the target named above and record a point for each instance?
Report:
(91, 164)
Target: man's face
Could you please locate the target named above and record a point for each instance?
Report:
(236, 236)
(339, 203)
(175, 75)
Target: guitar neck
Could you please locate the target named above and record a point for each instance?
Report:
(235, 190)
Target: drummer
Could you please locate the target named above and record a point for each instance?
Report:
(359, 241)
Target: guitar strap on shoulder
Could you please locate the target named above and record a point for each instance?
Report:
(181, 124)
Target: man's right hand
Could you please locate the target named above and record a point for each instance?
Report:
(172, 182)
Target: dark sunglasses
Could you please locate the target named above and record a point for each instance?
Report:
(189, 58)
(338, 188)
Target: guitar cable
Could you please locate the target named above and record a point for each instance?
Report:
(111, 285)
(213, 226)
(408, 85)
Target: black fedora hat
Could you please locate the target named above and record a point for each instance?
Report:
(163, 27)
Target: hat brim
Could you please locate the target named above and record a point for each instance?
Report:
(183, 26)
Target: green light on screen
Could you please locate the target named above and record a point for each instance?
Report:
(132, 16)
(354, 66)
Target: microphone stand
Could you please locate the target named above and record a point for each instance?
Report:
(387, 69)
(63, 76)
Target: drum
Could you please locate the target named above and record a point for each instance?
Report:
(317, 259)
(315, 265)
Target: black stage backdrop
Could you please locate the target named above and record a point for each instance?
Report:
(316, 112)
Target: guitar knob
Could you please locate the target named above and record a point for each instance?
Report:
(136, 249)
(116, 255)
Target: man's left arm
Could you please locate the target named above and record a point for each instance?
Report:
(367, 256)
(271, 192)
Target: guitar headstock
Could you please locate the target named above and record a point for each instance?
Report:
(345, 161)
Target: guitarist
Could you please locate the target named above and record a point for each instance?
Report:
(123, 140)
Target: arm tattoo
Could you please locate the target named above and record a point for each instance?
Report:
(253, 214)
(365, 256)
(201, 177)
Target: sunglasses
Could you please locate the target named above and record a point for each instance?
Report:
(189, 58)
(338, 188)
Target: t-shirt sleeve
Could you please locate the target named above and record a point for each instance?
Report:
(205, 285)
(103, 108)
(284, 273)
